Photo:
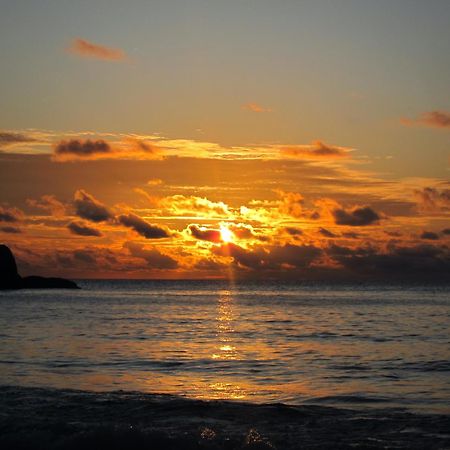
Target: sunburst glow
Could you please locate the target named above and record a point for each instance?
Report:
(226, 234)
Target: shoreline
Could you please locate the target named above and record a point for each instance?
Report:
(46, 418)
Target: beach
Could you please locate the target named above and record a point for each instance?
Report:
(34, 418)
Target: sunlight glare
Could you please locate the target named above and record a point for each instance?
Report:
(226, 234)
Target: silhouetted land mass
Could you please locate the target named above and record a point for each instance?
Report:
(50, 419)
(10, 278)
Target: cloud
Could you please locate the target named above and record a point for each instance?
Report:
(86, 49)
(357, 217)
(142, 227)
(89, 208)
(8, 138)
(10, 214)
(433, 200)
(291, 203)
(79, 149)
(49, 203)
(316, 150)
(83, 230)
(87, 149)
(12, 230)
(84, 256)
(242, 231)
(254, 107)
(194, 206)
(204, 234)
(153, 257)
(326, 233)
(298, 256)
(434, 119)
(293, 231)
(154, 181)
(274, 258)
(446, 231)
(406, 262)
(429, 235)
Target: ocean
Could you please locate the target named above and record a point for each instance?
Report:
(341, 345)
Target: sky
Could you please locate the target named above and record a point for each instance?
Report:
(243, 139)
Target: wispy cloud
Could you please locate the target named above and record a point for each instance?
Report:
(434, 119)
(87, 49)
(315, 150)
(256, 108)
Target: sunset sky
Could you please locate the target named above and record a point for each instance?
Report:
(244, 139)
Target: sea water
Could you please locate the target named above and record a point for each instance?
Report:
(298, 343)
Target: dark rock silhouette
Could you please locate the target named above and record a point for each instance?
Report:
(10, 278)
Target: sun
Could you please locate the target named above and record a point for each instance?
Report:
(226, 234)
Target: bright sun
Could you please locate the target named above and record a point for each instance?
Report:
(226, 234)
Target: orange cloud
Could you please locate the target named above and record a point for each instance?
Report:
(254, 107)
(49, 203)
(316, 150)
(194, 206)
(86, 49)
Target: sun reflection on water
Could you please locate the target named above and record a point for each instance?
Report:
(225, 327)
(225, 348)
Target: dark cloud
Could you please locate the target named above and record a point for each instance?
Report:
(435, 119)
(356, 217)
(12, 230)
(274, 258)
(251, 259)
(298, 256)
(83, 230)
(446, 231)
(293, 231)
(416, 262)
(153, 257)
(84, 256)
(326, 233)
(209, 264)
(350, 235)
(89, 208)
(142, 227)
(430, 235)
(433, 200)
(80, 148)
(204, 234)
(87, 49)
(10, 214)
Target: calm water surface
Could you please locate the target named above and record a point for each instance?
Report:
(328, 344)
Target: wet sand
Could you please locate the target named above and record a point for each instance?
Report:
(34, 418)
